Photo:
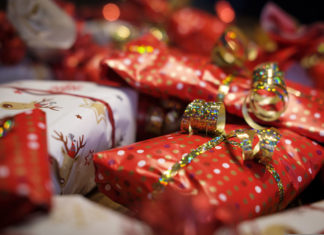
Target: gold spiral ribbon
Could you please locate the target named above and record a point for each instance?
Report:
(268, 97)
(233, 49)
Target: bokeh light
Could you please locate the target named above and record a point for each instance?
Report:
(111, 12)
(224, 11)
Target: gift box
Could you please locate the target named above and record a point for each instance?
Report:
(200, 27)
(73, 214)
(25, 183)
(83, 118)
(157, 117)
(152, 68)
(191, 165)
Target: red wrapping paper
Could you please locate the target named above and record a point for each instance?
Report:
(82, 61)
(198, 34)
(242, 189)
(12, 48)
(153, 68)
(25, 183)
(285, 30)
(301, 40)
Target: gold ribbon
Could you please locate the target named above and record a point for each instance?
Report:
(209, 118)
(268, 97)
(233, 49)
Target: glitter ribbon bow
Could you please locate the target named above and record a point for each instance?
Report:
(267, 101)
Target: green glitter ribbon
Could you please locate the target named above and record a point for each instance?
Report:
(5, 127)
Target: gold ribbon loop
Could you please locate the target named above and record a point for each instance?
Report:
(268, 97)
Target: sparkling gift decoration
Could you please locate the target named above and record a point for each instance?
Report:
(5, 127)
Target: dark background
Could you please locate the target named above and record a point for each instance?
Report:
(304, 11)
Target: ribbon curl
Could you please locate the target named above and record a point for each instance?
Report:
(268, 97)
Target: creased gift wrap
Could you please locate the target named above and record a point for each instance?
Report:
(152, 68)
(302, 220)
(73, 214)
(246, 189)
(83, 118)
(25, 182)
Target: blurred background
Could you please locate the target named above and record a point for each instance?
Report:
(304, 11)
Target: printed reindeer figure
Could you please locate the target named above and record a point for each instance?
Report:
(44, 103)
(70, 154)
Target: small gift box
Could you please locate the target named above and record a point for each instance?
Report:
(219, 170)
(83, 118)
(156, 117)
(25, 183)
(152, 68)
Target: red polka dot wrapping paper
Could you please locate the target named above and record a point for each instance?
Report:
(161, 72)
(245, 189)
(25, 183)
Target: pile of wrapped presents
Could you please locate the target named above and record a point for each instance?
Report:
(155, 117)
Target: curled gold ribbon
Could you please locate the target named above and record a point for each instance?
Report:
(268, 97)
(233, 49)
(209, 118)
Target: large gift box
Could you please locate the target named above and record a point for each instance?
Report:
(152, 67)
(239, 175)
(83, 118)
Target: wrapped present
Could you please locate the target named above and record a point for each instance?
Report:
(152, 68)
(285, 30)
(157, 117)
(219, 170)
(25, 183)
(75, 214)
(200, 27)
(83, 118)
(82, 61)
(302, 220)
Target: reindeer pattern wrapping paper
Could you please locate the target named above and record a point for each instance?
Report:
(83, 118)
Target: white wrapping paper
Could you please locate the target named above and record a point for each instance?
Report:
(301, 220)
(42, 24)
(79, 216)
(76, 126)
